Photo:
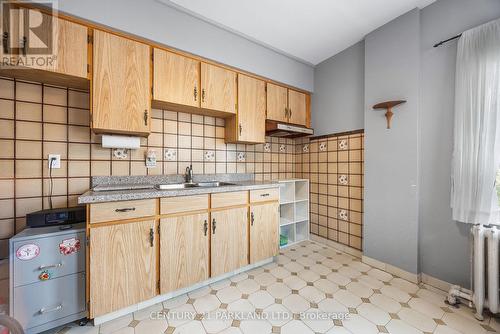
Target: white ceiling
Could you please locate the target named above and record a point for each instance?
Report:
(309, 31)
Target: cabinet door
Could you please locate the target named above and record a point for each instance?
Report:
(69, 47)
(176, 79)
(229, 247)
(297, 109)
(264, 225)
(120, 89)
(71, 51)
(184, 249)
(251, 109)
(218, 88)
(277, 103)
(122, 266)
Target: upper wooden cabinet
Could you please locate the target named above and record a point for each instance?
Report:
(218, 88)
(297, 108)
(120, 91)
(287, 105)
(122, 266)
(277, 103)
(249, 125)
(176, 79)
(65, 62)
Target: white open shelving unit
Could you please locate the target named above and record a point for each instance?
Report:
(294, 210)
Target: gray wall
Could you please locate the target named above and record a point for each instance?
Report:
(338, 99)
(444, 247)
(158, 22)
(390, 224)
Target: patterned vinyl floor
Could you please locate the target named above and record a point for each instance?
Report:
(310, 288)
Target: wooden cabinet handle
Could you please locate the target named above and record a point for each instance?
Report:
(25, 45)
(214, 226)
(241, 129)
(195, 92)
(264, 195)
(252, 218)
(5, 42)
(152, 237)
(205, 227)
(290, 112)
(125, 210)
(203, 95)
(146, 117)
(286, 112)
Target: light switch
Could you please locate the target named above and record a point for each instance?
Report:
(54, 161)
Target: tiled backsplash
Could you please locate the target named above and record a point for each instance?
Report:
(335, 167)
(37, 120)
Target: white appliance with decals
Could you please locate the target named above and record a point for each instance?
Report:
(47, 276)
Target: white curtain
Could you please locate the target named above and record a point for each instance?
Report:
(476, 153)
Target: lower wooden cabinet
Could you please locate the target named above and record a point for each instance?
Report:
(184, 251)
(229, 248)
(122, 266)
(264, 227)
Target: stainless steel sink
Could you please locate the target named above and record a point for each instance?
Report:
(174, 186)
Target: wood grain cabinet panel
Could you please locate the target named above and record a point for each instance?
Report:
(184, 251)
(218, 88)
(264, 195)
(72, 45)
(264, 224)
(112, 211)
(172, 205)
(229, 245)
(176, 79)
(63, 63)
(250, 123)
(121, 80)
(277, 103)
(297, 107)
(122, 266)
(225, 199)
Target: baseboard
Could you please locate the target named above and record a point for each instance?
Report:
(343, 248)
(396, 271)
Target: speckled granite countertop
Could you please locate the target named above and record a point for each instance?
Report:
(240, 181)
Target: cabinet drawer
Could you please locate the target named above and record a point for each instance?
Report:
(103, 212)
(55, 299)
(220, 200)
(170, 205)
(51, 259)
(263, 195)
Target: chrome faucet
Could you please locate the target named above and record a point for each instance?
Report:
(189, 174)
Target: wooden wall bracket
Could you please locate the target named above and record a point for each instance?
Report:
(388, 106)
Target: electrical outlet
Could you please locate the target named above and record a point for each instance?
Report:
(54, 163)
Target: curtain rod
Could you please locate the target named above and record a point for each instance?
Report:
(447, 40)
